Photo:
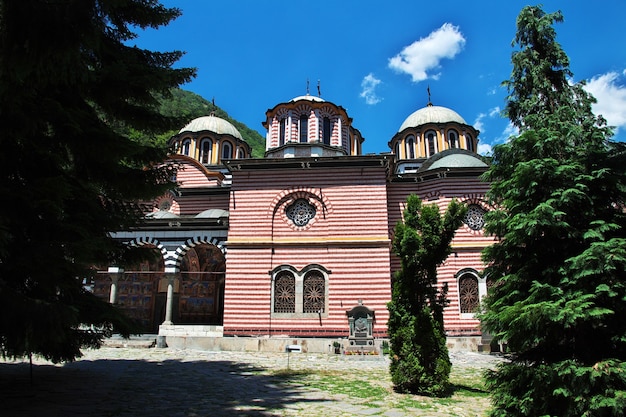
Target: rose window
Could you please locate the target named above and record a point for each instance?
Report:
(285, 293)
(475, 217)
(300, 212)
(314, 293)
(468, 294)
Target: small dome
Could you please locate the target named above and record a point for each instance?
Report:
(431, 114)
(454, 158)
(307, 97)
(212, 214)
(160, 214)
(213, 124)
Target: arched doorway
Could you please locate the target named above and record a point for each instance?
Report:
(137, 287)
(201, 296)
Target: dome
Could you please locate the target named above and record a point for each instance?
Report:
(454, 158)
(160, 214)
(213, 124)
(431, 114)
(212, 214)
(307, 97)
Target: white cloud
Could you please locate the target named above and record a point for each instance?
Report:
(425, 54)
(509, 130)
(484, 149)
(611, 98)
(368, 89)
(479, 124)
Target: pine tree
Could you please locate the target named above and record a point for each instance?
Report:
(560, 254)
(70, 80)
(419, 356)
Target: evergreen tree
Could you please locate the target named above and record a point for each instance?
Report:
(419, 356)
(560, 256)
(70, 82)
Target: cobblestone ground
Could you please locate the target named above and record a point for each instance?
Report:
(167, 382)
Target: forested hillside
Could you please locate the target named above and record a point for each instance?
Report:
(188, 106)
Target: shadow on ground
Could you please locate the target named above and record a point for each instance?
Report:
(147, 388)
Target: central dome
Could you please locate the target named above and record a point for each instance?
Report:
(212, 124)
(431, 114)
(307, 97)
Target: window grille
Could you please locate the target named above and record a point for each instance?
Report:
(300, 212)
(314, 293)
(285, 293)
(468, 293)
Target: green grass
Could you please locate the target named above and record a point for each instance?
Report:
(373, 388)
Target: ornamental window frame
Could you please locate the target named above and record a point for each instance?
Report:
(469, 142)
(480, 282)
(300, 220)
(453, 139)
(282, 131)
(206, 150)
(472, 224)
(327, 130)
(430, 143)
(185, 148)
(227, 150)
(303, 128)
(410, 147)
(311, 302)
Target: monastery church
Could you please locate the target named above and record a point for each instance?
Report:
(294, 249)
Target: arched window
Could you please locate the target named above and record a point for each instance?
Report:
(431, 143)
(410, 147)
(468, 293)
(304, 128)
(397, 150)
(326, 130)
(206, 146)
(240, 153)
(285, 292)
(282, 132)
(227, 150)
(186, 147)
(300, 294)
(453, 139)
(470, 143)
(314, 294)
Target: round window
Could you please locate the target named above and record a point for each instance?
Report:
(300, 212)
(475, 217)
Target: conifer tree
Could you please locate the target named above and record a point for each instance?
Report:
(419, 356)
(560, 257)
(70, 81)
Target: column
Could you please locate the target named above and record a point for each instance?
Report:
(169, 303)
(339, 132)
(114, 273)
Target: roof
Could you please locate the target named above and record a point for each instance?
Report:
(453, 158)
(431, 114)
(212, 124)
(212, 214)
(307, 97)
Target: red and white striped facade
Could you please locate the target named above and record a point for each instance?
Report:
(350, 203)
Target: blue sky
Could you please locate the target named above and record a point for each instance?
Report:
(377, 59)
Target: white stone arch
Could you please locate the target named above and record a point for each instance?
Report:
(149, 240)
(177, 256)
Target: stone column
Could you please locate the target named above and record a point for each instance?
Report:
(114, 273)
(169, 303)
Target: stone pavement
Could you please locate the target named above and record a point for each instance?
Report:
(168, 382)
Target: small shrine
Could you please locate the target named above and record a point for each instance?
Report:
(361, 320)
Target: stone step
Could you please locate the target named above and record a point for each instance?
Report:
(140, 341)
